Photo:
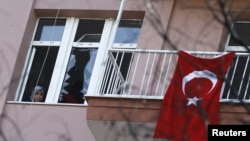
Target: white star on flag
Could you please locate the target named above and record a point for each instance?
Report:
(192, 101)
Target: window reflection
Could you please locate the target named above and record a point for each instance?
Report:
(78, 75)
(243, 30)
(89, 30)
(50, 30)
(128, 31)
(41, 70)
(90, 38)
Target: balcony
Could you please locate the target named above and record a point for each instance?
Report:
(147, 74)
(129, 95)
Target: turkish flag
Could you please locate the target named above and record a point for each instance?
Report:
(192, 98)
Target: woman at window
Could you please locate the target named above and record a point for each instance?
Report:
(37, 94)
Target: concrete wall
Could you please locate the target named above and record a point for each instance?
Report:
(13, 18)
(190, 29)
(41, 122)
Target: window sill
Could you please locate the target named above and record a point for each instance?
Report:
(50, 104)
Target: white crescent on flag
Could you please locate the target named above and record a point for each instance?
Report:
(199, 74)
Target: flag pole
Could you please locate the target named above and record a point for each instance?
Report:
(116, 24)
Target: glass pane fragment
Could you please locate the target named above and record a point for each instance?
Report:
(77, 77)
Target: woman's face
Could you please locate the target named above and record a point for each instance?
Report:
(38, 97)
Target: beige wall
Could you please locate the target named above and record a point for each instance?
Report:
(26, 122)
(89, 4)
(193, 27)
(126, 119)
(189, 29)
(13, 17)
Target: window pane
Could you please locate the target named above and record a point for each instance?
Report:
(50, 30)
(90, 38)
(41, 69)
(128, 31)
(243, 30)
(78, 75)
(89, 30)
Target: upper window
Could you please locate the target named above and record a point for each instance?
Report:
(243, 31)
(89, 30)
(237, 84)
(50, 30)
(42, 57)
(127, 34)
(66, 53)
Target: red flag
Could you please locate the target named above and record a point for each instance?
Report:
(192, 99)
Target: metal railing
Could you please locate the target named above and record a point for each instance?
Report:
(147, 73)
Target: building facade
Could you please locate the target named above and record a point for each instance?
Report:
(105, 65)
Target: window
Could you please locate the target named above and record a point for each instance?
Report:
(243, 30)
(237, 85)
(127, 34)
(118, 64)
(50, 30)
(81, 61)
(43, 55)
(66, 53)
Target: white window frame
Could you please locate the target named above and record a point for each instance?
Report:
(235, 48)
(29, 60)
(65, 46)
